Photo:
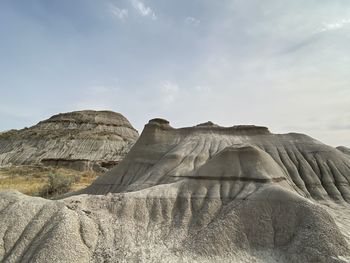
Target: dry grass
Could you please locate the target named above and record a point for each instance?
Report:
(31, 180)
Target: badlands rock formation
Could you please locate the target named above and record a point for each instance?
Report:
(344, 149)
(82, 140)
(199, 194)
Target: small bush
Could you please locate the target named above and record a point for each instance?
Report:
(77, 178)
(57, 184)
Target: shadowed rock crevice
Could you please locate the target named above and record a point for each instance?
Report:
(232, 178)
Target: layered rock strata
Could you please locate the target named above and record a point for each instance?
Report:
(81, 140)
(198, 194)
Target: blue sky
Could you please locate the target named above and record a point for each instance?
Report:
(282, 64)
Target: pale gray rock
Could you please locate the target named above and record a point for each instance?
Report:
(164, 154)
(344, 150)
(81, 140)
(199, 194)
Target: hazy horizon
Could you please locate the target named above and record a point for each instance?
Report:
(280, 64)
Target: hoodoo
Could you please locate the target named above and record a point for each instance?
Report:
(198, 194)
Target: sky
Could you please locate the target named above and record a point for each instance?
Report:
(277, 63)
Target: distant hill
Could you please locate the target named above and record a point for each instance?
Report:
(81, 140)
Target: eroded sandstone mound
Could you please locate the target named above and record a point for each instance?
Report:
(82, 140)
(165, 155)
(199, 194)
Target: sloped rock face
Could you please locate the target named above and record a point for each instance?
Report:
(199, 194)
(164, 154)
(344, 150)
(82, 140)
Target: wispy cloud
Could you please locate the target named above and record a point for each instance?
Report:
(192, 21)
(120, 13)
(336, 25)
(293, 57)
(203, 89)
(299, 45)
(169, 92)
(143, 9)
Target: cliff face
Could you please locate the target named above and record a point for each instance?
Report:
(82, 140)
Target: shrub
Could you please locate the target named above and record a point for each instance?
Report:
(77, 178)
(57, 184)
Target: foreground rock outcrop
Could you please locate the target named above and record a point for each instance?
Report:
(81, 140)
(199, 194)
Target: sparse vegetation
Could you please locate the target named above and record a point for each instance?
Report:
(57, 184)
(43, 181)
